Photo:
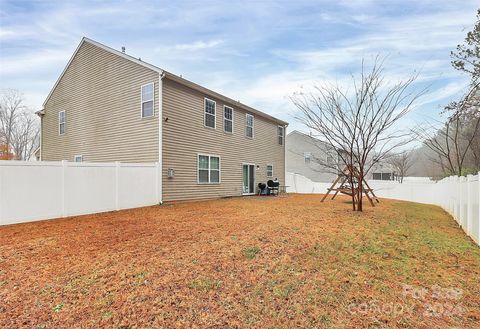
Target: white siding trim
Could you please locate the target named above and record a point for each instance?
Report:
(160, 137)
(285, 157)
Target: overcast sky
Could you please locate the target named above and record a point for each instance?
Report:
(258, 52)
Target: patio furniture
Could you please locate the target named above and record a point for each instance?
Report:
(262, 189)
(348, 176)
(283, 188)
(273, 187)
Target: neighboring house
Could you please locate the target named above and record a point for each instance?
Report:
(109, 106)
(382, 171)
(310, 157)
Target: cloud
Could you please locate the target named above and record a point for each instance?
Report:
(40, 61)
(9, 34)
(258, 52)
(198, 45)
(410, 44)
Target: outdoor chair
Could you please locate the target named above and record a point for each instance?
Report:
(262, 189)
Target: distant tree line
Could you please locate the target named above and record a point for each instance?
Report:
(456, 145)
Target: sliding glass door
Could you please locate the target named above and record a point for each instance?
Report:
(248, 178)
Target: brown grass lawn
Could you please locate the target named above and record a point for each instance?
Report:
(256, 262)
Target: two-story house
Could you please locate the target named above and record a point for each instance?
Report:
(310, 157)
(109, 106)
(314, 159)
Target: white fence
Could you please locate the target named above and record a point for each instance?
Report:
(460, 196)
(40, 190)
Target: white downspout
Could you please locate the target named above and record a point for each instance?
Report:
(285, 155)
(160, 137)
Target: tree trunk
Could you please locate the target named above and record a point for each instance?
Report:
(353, 194)
(360, 191)
(360, 196)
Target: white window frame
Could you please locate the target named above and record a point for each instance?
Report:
(76, 156)
(246, 125)
(205, 113)
(60, 123)
(209, 169)
(254, 177)
(271, 165)
(281, 136)
(333, 154)
(309, 157)
(143, 101)
(225, 119)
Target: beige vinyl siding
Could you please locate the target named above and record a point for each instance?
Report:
(184, 137)
(100, 93)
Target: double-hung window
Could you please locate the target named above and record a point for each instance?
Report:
(208, 169)
(78, 158)
(147, 100)
(331, 157)
(228, 119)
(269, 170)
(281, 132)
(61, 122)
(307, 156)
(249, 126)
(209, 119)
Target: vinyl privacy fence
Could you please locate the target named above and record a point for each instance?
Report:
(459, 196)
(41, 190)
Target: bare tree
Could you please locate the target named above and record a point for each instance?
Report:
(19, 128)
(401, 163)
(360, 125)
(458, 137)
(457, 144)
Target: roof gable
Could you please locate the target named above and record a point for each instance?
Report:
(106, 48)
(161, 72)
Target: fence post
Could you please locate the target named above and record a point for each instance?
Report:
(462, 202)
(157, 182)
(117, 184)
(448, 198)
(64, 165)
(453, 198)
(469, 204)
(449, 195)
(1, 195)
(478, 218)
